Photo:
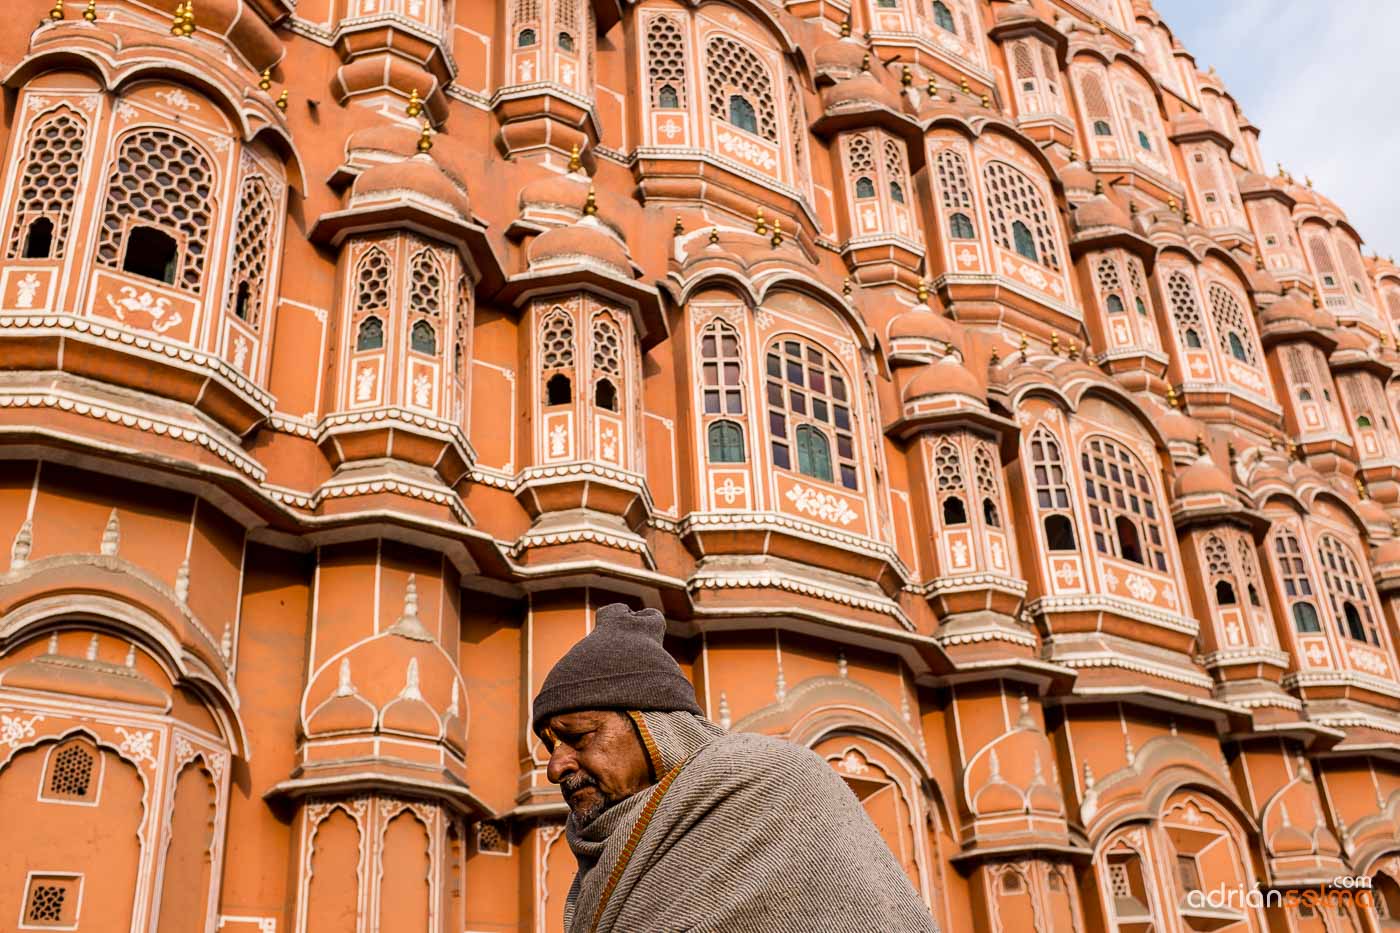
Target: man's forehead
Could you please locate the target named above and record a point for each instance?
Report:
(579, 719)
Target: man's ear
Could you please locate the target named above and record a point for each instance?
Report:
(649, 750)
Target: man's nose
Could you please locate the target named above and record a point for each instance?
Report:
(562, 763)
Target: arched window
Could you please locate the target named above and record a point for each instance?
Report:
(1220, 571)
(1236, 338)
(1122, 504)
(721, 368)
(1025, 243)
(896, 193)
(805, 387)
(1052, 491)
(943, 17)
(1363, 421)
(559, 390)
(251, 247)
(1114, 304)
(370, 335)
(607, 364)
(556, 348)
(860, 162)
(167, 182)
(1019, 214)
(950, 485)
(423, 339)
(1143, 141)
(1346, 591)
(1186, 311)
(47, 186)
(865, 188)
(741, 113)
(813, 453)
(1101, 128)
(726, 442)
(739, 88)
(151, 253)
(566, 42)
(960, 227)
(72, 773)
(797, 132)
(894, 170)
(666, 63)
(1110, 284)
(986, 465)
(1091, 92)
(526, 39)
(1297, 587)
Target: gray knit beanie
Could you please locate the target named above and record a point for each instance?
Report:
(619, 665)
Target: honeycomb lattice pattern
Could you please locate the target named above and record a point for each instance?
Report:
(46, 904)
(163, 179)
(894, 163)
(947, 465)
(1217, 557)
(861, 155)
(732, 69)
(557, 342)
(70, 773)
(1011, 196)
(425, 290)
(1185, 311)
(490, 838)
(666, 62)
(50, 180)
(1107, 276)
(984, 462)
(372, 281)
(250, 250)
(607, 349)
(1229, 318)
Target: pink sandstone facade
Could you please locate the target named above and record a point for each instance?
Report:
(980, 411)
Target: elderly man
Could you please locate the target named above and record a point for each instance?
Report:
(678, 825)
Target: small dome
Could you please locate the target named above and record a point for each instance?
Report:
(840, 59)
(1387, 553)
(920, 323)
(946, 377)
(1191, 122)
(1100, 211)
(1351, 340)
(1371, 512)
(862, 90)
(586, 240)
(1291, 307)
(418, 178)
(1253, 182)
(1015, 13)
(1076, 176)
(568, 191)
(1177, 427)
(1202, 478)
(383, 139)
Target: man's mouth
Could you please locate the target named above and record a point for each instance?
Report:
(572, 789)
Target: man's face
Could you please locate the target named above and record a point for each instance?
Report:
(596, 759)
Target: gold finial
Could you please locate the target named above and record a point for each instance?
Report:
(714, 236)
(1316, 302)
(846, 287)
(56, 13)
(90, 11)
(1231, 453)
(1073, 350)
(177, 20)
(1185, 214)
(1361, 492)
(187, 26)
(777, 239)
(906, 77)
(679, 228)
(1172, 205)
(1098, 186)
(1173, 400)
(1055, 344)
(923, 291)
(986, 101)
(1280, 169)
(575, 163)
(963, 85)
(1307, 180)
(425, 138)
(760, 223)
(1025, 347)
(1258, 260)
(1200, 446)
(846, 28)
(265, 79)
(1073, 154)
(282, 101)
(995, 358)
(415, 104)
(1294, 450)
(865, 62)
(932, 86)
(590, 206)
(1132, 207)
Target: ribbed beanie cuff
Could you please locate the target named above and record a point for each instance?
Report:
(620, 665)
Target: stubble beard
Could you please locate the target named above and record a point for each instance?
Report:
(585, 807)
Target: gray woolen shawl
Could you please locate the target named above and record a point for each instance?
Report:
(755, 835)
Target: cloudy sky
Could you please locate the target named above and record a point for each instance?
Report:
(1321, 80)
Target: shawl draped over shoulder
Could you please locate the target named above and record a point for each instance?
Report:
(752, 835)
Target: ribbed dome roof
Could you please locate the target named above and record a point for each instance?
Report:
(1202, 478)
(555, 190)
(418, 178)
(861, 90)
(946, 377)
(1100, 211)
(586, 240)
